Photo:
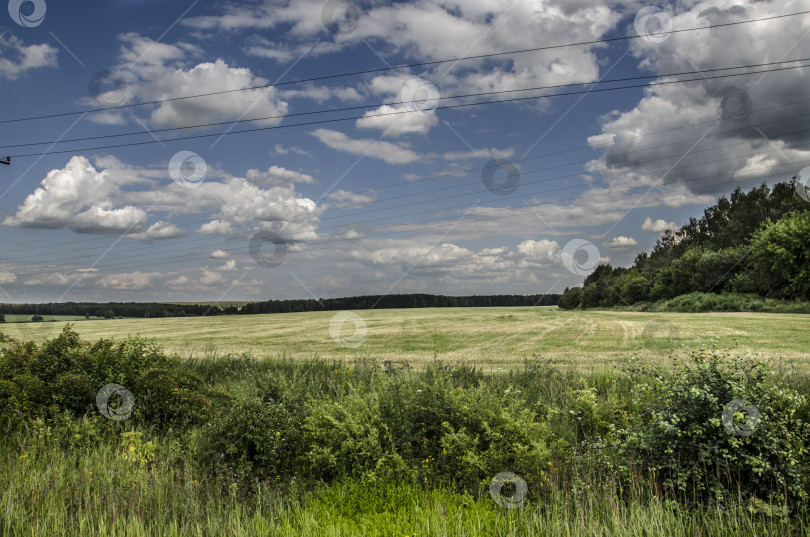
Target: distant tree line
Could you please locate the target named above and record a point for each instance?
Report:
(398, 301)
(155, 309)
(111, 310)
(756, 242)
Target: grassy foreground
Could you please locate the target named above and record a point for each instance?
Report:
(491, 337)
(237, 446)
(97, 492)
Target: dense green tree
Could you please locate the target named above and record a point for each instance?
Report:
(780, 257)
(570, 298)
(749, 242)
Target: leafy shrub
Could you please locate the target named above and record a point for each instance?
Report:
(462, 434)
(66, 373)
(680, 437)
(348, 438)
(256, 436)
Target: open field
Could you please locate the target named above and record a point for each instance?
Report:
(495, 337)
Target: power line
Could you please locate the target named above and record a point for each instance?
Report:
(336, 238)
(377, 105)
(524, 173)
(139, 254)
(545, 155)
(446, 107)
(407, 66)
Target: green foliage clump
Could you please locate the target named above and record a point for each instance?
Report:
(571, 298)
(65, 374)
(755, 242)
(679, 434)
(254, 435)
(780, 257)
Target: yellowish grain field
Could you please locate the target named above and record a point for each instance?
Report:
(491, 337)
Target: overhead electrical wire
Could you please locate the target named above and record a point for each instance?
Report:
(399, 67)
(464, 172)
(352, 118)
(395, 103)
(336, 239)
(174, 248)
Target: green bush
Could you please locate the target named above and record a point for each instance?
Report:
(679, 435)
(66, 374)
(347, 438)
(258, 437)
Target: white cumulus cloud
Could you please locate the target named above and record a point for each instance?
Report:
(657, 226)
(621, 242)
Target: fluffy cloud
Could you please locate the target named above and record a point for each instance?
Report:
(428, 29)
(28, 57)
(480, 153)
(80, 198)
(158, 230)
(539, 251)
(128, 281)
(87, 199)
(277, 176)
(450, 262)
(343, 198)
(7, 277)
(712, 134)
(279, 149)
(621, 242)
(658, 226)
(398, 120)
(387, 151)
(227, 266)
(157, 71)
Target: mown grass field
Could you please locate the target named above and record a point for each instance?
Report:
(491, 337)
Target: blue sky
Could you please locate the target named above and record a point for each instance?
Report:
(393, 202)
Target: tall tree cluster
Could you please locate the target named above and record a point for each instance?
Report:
(754, 242)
